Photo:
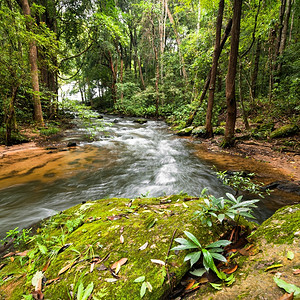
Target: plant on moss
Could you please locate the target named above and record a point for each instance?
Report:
(209, 253)
(241, 181)
(84, 293)
(19, 237)
(145, 285)
(219, 208)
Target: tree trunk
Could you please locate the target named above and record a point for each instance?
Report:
(10, 118)
(213, 73)
(284, 30)
(178, 42)
(207, 81)
(38, 114)
(114, 78)
(231, 74)
(255, 72)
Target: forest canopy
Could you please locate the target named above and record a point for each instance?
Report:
(192, 62)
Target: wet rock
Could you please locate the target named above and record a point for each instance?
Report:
(71, 144)
(115, 121)
(140, 121)
(185, 131)
(285, 186)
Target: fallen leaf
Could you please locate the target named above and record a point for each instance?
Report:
(273, 267)
(110, 279)
(296, 272)
(46, 266)
(2, 266)
(158, 261)
(121, 229)
(230, 270)
(287, 296)
(9, 254)
(65, 268)
(121, 239)
(37, 295)
(121, 262)
(140, 279)
(203, 280)
(102, 268)
(113, 218)
(190, 284)
(244, 252)
(149, 286)
(249, 247)
(37, 280)
(92, 267)
(23, 254)
(118, 267)
(144, 246)
(12, 259)
(51, 280)
(64, 247)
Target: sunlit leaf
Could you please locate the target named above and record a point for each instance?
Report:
(288, 287)
(65, 268)
(290, 255)
(143, 289)
(158, 261)
(198, 272)
(216, 286)
(192, 238)
(111, 280)
(275, 266)
(121, 239)
(37, 280)
(140, 279)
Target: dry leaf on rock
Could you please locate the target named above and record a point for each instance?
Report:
(230, 270)
(287, 296)
(121, 262)
(143, 247)
(121, 239)
(65, 268)
(158, 261)
(110, 279)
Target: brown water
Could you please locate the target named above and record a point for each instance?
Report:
(126, 160)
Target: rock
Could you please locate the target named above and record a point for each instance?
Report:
(284, 131)
(115, 121)
(185, 131)
(199, 131)
(71, 144)
(286, 186)
(140, 121)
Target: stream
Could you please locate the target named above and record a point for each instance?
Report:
(127, 159)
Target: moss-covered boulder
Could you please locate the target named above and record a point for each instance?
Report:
(199, 131)
(284, 131)
(108, 243)
(273, 252)
(185, 131)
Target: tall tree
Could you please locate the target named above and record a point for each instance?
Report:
(213, 74)
(231, 74)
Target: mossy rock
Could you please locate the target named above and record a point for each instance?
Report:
(84, 242)
(199, 131)
(284, 131)
(140, 121)
(219, 131)
(267, 257)
(185, 131)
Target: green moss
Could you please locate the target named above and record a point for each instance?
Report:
(185, 131)
(282, 226)
(98, 237)
(284, 131)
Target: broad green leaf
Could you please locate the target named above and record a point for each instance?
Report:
(192, 238)
(140, 279)
(221, 217)
(88, 291)
(193, 257)
(231, 197)
(143, 289)
(208, 261)
(80, 291)
(198, 272)
(288, 287)
(220, 243)
(218, 257)
(186, 242)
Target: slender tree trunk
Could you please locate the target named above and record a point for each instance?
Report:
(244, 113)
(213, 74)
(255, 72)
(38, 114)
(292, 21)
(231, 74)
(207, 81)
(178, 40)
(10, 118)
(114, 78)
(284, 32)
(199, 16)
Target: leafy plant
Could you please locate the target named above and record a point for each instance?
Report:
(84, 293)
(19, 237)
(241, 181)
(209, 253)
(220, 208)
(145, 285)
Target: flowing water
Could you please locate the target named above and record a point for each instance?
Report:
(127, 159)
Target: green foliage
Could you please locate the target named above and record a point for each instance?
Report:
(145, 285)
(241, 181)
(209, 253)
(49, 131)
(20, 238)
(219, 208)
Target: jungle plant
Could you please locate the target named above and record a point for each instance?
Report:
(84, 293)
(209, 253)
(220, 208)
(242, 181)
(19, 237)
